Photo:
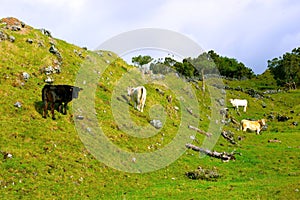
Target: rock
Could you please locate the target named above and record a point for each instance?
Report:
(30, 41)
(224, 111)
(3, 36)
(48, 70)
(41, 44)
(7, 155)
(109, 54)
(282, 118)
(12, 38)
(263, 104)
(156, 123)
(18, 104)
(295, 123)
(26, 76)
(203, 174)
(253, 93)
(53, 50)
(80, 117)
(264, 127)
(221, 102)
(15, 28)
(57, 69)
(46, 32)
(49, 80)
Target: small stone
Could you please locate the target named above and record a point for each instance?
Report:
(26, 76)
(80, 117)
(12, 38)
(156, 123)
(18, 104)
(30, 41)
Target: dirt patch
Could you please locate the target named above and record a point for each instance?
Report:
(15, 24)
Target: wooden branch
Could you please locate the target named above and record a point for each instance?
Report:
(234, 121)
(228, 136)
(191, 112)
(225, 157)
(275, 141)
(200, 131)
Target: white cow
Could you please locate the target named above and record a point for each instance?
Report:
(239, 102)
(138, 96)
(253, 125)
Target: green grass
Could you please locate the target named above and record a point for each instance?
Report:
(51, 162)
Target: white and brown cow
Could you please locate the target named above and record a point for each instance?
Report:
(138, 96)
(253, 125)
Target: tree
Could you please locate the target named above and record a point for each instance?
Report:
(141, 60)
(230, 67)
(286, 68)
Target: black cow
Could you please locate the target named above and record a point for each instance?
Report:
(61, 94)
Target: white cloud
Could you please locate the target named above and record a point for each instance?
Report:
(250, 30)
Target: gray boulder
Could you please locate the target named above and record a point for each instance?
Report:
(156, 123)
(18, 104)
(12, 38)
(30, 41)
(3, 36)
(26, 76)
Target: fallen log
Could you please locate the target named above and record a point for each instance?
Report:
(228, 136)
(200, 131)
(191, 112)
(274, 141)
(234, 121)
(225, 157)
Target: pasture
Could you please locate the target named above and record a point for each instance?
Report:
(49, 160)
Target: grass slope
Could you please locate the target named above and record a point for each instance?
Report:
(49, 161)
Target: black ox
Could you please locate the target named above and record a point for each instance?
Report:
(61, 94)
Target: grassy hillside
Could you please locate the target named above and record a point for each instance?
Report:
(50, 161)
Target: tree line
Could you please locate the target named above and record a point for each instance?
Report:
(285, 69)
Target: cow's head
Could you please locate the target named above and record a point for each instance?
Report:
(262, 122)
(75, 91)
(130, 91)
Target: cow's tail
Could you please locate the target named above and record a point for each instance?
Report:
(143, 95)
(242, 125)
(44, 93)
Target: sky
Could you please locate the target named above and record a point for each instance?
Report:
(251, 31)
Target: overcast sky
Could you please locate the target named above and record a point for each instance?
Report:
(252, 31)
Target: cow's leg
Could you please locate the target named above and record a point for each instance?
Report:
(45, 109)
(65, 108)
(142, 105)
(59, 107)
(136, 106)
(52, 110)
(257, 131)
(245, 108)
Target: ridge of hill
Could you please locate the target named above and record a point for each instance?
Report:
(45, 158)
